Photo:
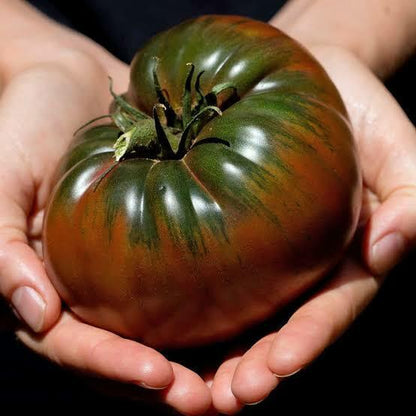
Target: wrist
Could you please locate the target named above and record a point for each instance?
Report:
(381, 33)
(28, 38)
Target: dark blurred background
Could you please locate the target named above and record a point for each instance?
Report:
(367, 370)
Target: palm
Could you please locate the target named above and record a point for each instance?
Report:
(49, 107)
(41, 108)
(385, 141)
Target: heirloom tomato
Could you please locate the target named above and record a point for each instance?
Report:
(225, 184)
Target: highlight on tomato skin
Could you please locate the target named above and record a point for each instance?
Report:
(224, 184)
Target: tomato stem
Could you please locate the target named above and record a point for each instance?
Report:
(141, 135)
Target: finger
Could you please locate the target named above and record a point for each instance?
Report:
(188, 393)
(223, 398)
(391, 174)
(73, 344)
(23, 280)
(320, 321)
(253, 381)
(391, 231)
(98, 352)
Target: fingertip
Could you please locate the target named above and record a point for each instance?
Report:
(253, 384)
(52, 300)
(283, 362)
(286, 374)
(188, 393)
(389, 235)
(223, 398)
(290, 352)
(386, 253)
(229, 406)
(29, 306)
(225, 401)
(155, 373)
(120, 359)
(26, 286)
(391, 231)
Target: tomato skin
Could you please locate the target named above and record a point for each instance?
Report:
(189, 251)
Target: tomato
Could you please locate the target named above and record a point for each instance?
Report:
(226, 185)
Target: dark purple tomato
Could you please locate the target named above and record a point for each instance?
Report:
(233, 187)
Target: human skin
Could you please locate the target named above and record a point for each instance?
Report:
(41, 62)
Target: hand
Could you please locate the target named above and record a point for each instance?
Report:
(40, 107)
(386, 142)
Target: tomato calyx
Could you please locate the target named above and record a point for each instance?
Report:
(146, 137)
(169, 134)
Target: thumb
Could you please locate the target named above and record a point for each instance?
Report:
(23, 280)
(390, 173)
(387, 148)
(391, 230)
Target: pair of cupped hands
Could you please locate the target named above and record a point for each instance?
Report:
(52, 89)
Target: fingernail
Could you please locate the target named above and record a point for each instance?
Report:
(254, 403)
(387, 252)
(146, 386)
(287, 375)
(30, 307)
